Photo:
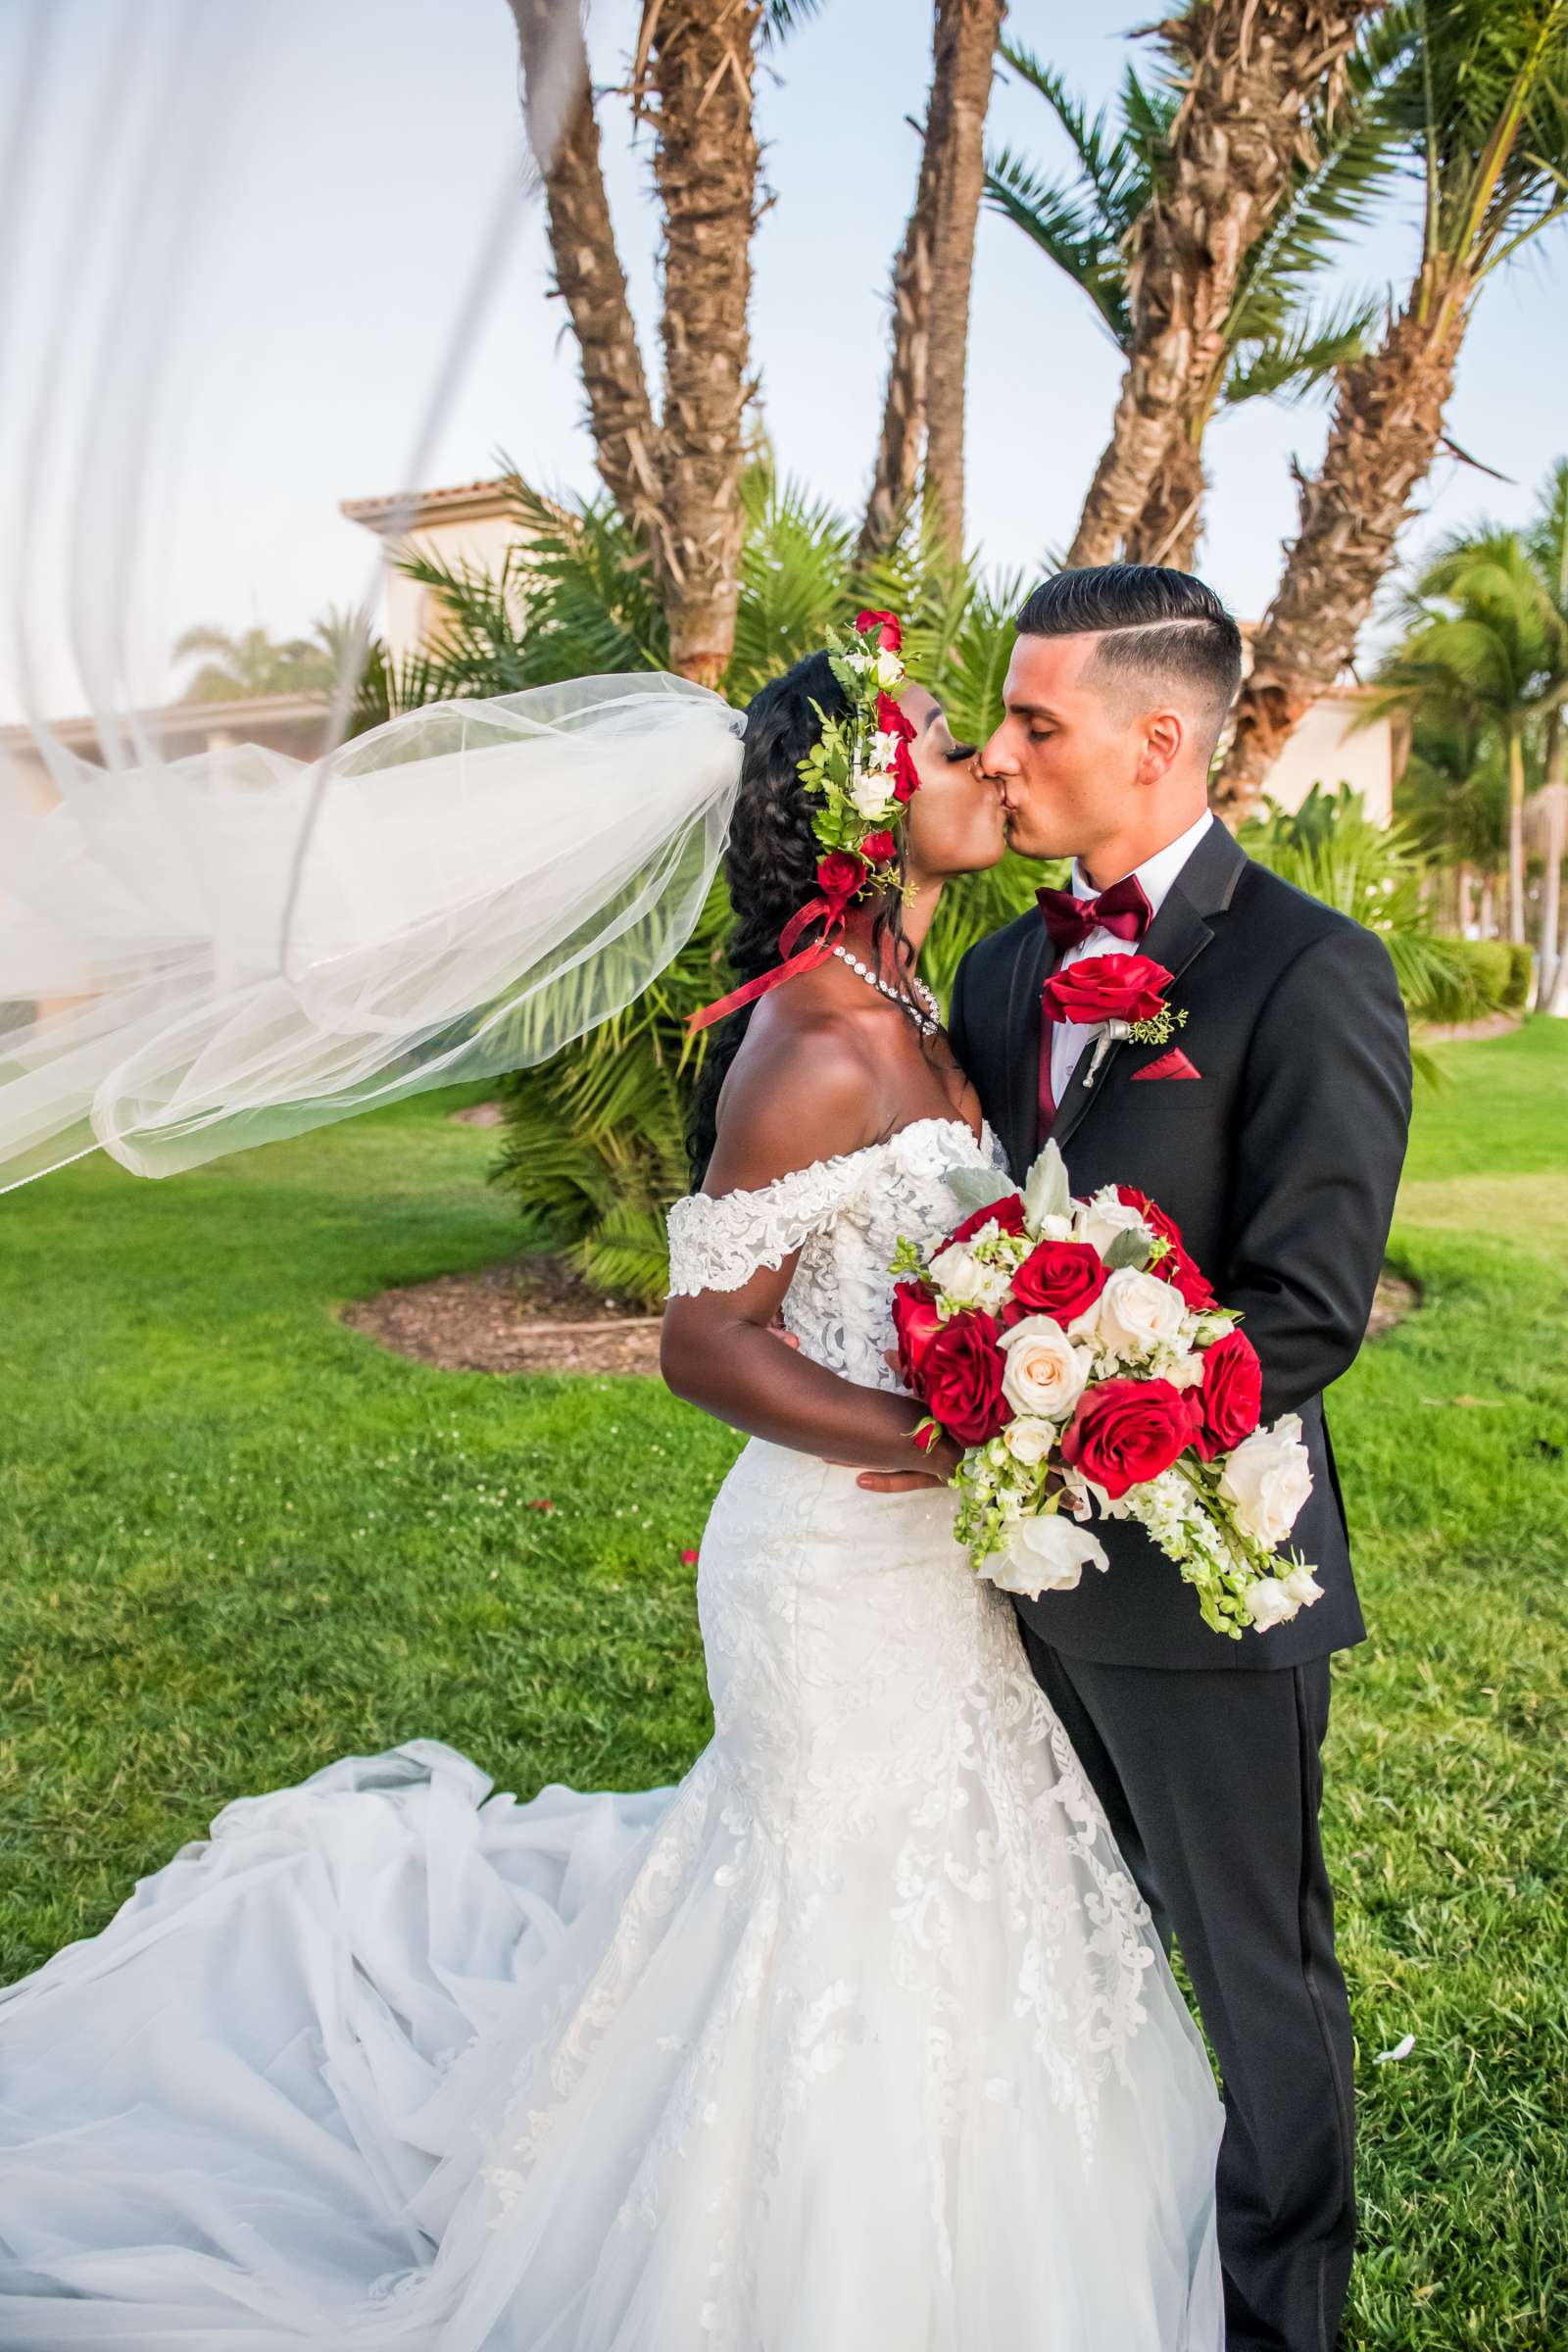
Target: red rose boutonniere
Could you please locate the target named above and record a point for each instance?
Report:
(1119, 997)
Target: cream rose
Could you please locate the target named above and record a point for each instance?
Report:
(1135, 1313)
(1303, 1587)
(958, 1274)
(889, 671)
(1028, 1438)
(1267, 1480)
(1101, 1219)
(1046, 1373)
(1045, 1554)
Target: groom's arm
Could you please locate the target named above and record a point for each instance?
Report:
(956, 1031)
(1324, 1116)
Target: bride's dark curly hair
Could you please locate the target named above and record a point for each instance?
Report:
(771, 864)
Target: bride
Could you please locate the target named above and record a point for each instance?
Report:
(858, 2038)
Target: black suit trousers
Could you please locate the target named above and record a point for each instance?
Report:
(1211, 1784)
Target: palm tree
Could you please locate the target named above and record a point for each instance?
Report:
(677, 483)
(256, 663)
(1483, 643)
(1451, 799)
(1273, 342)
(1253, 79)
(1548, 543)
(1479, 106)
(928, 370)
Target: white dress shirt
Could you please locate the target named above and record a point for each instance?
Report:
(1156, 875)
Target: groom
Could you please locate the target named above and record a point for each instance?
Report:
(1272, 1130)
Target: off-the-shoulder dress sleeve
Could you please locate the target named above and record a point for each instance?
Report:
(718, 1241)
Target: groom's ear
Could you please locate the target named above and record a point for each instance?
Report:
(1164, 737)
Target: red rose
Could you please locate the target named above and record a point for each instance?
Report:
(960, 1378)
(1176, 1267)
(1126, 1431)
(890, 635)
(906, 775)
(879, 849)
(1232, 1393)
(1060, 1279)
(892, 719)
(840, 875)
(1107, 988)
(916, 1323)
(1006, 1213)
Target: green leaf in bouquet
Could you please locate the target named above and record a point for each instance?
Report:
(1127, 1249)
(977, 1188)
(1045, 1191)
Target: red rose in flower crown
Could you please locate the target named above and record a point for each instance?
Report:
(892, 719)
(960, 1378)
(1126, 1431)
(1176, 1266)
(906, 775)
(1107, 988)
(890, 633)
(1006, 1215)
(840, 875)
(1060, 1279)
(877, 848)
(1232, 1393)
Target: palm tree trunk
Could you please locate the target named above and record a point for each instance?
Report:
(965, 46)
(1556, 796)
(898, 443)
(558, 107)
(700, 56)
(1387, 423)
(928, 372)
(1252, 75)
(1516, 838)
(1168, 528)
(1487, 915)
(1462, 900)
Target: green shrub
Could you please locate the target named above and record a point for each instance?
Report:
(1521, 978)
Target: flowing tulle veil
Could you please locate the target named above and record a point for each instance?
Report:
(204, 953)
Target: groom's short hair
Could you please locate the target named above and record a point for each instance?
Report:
(1159, 630)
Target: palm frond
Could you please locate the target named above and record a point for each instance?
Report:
(1068, 230)
(1303, 353)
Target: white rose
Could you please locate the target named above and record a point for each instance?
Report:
(1028, 1438)
(1046, 1373)
(1303, 1587)
(1267, 1479)
(1102, 1218)
(1135, 1313)
(1045, 1554)
(872, 794)
(889, 671)
(958, 1274)
(1269, 1604)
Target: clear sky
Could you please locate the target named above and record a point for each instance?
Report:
(360, 144)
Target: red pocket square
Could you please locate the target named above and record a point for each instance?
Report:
(1173, 1064)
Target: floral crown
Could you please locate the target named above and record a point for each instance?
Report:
(860, 774)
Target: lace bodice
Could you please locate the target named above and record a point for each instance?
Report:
(844, 1216)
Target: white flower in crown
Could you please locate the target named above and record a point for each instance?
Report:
(873, 795)
(889, 671)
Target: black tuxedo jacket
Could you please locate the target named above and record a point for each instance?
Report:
(1280, 1164)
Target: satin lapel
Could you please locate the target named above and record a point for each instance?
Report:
(1177, 934)
(1024, 1048)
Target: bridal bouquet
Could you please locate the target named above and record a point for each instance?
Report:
(1078, 1355)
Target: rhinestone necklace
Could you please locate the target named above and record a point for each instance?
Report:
(927, 1022)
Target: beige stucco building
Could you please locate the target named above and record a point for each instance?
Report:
(472, 523)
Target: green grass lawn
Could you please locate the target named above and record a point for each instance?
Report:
(238, 1541)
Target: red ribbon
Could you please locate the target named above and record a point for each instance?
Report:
(831, 912)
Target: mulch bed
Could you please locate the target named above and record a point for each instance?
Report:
(533, 1315)
(537, 1315)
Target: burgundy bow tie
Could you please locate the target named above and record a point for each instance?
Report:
(1122, 910)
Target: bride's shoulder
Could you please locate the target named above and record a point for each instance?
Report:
(799, 1093)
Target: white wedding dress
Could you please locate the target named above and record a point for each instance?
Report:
(860, 2040)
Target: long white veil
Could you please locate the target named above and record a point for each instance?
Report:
(200, 953)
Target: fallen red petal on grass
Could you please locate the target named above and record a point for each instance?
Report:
(539, 1503)
(688, 1559)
